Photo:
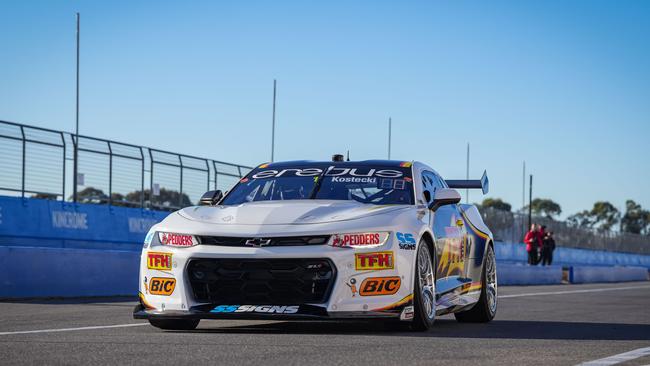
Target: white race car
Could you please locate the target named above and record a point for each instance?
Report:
(323, 240)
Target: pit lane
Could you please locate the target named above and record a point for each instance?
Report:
(559, 325)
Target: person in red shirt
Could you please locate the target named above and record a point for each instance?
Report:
(532, 244)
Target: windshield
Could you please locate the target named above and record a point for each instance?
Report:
(366, 184)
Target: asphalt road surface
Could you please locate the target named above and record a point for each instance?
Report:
(546, 325)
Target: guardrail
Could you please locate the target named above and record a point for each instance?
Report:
(38, 162)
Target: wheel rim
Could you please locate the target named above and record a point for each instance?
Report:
(491, 281)
(427, 282)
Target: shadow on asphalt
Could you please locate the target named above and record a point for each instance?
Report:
(446, 328)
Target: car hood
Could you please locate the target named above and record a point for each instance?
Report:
(286, 213)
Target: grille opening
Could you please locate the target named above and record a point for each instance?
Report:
(261, 281)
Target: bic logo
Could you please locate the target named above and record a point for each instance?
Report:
(162, 286)
(156, 260)
(374, 286)
(373, 261)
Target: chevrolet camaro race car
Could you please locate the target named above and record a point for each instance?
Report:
(333, 240)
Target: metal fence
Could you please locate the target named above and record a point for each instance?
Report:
(511, 227)
(38, 162)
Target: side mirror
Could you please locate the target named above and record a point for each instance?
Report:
(444, 196)
(210, 198)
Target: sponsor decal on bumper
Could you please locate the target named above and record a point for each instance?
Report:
(163, 286)
(159, 261)
(376, 286)
(373, 261)
(265, 309)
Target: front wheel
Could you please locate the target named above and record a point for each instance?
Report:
(175, 324)
(424, 289)
(486, 307)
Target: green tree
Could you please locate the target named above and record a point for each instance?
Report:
(581, 219)
(545, 207)
(90, 195)
(603, 216)
(45, 196)
(636, 220)
(497, 204)
(166, 198)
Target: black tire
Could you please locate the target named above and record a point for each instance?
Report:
(424, 316)
(175, 324)
(483, 311)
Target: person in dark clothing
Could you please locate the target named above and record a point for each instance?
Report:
(532, 243)
(541, 234)
(548, 246)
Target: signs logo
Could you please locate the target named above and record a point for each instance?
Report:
(375, 286)
(160, 261)
(267, 309)
(162, 286)
(406, 240)
(373, 261)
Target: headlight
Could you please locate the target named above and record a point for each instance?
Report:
(177, 240)
(359, 240)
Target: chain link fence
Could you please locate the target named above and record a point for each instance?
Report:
(38, 163)
(511, 227)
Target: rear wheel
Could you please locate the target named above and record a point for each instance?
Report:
(424, 297)
(486, 307)
(175, 324)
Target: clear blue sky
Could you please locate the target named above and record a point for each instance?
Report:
(563, 85)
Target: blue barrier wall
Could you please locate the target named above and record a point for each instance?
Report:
(521, 274)
(54, 248)
(62, 272)
(55, 224)
(584, 274)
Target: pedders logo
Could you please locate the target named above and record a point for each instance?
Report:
(176, 240)
(375, 286)
(373, 261)
(162, 286)
(357, 240)
(160, 261)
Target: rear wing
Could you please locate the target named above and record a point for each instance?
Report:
(482, 183)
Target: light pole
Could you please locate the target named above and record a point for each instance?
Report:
(273, 124)
(76, 142)
(530, 201)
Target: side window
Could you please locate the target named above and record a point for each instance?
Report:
(431, 182)
(442, 182)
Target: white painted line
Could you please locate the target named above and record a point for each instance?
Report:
(73, 329)
(573, 291)
(621, 357)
